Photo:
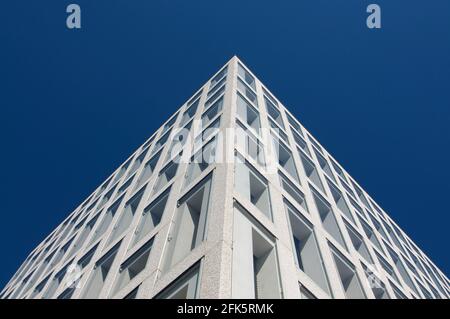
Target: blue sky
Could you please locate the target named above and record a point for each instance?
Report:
(75, 104)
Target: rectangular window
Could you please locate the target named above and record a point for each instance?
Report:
(325, 166)
(285, 158)
(201, 160)
(184, 287)
(386, 266)
(190, 112)
(148, 170)
(307, 254)
(218, 76)
(215, 98)
(293, 191)
(249, 143)
(255, 273)
(84, 234)
(273, 112)
(253, 186)
(39, 287)
(133, 266)
(246, 76)
(340, 201)
(295, 125)
(212, 112)
(86, 259)
(161, 142)
(248, 93)
(377, 286)
(311, 171)
(56, 281)
(347, 274)
(370, 234)
(165, 176)
(248, 114)
(100, 273)
(328, 218)
(151, 216)
(190, 223)
(106, 221)
(125, 219)
(358, 243)
(301, 143)
(169, 123)
(402, 270)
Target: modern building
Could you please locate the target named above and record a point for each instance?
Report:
(231, 198)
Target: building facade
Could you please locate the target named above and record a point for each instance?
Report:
(231, 198)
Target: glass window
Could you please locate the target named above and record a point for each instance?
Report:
(211, 113)
(100, 273)
(248, 114)
(274, 113)
(133, 266)
(307, 254)
(246, 76)
(347, 274)
(252, 186)
(184, 287)
(293, 191)
(189, 228)
(165, 176)
(255, 272)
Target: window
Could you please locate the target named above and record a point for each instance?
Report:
(386, 266)
(166, 175)
(301, 143)
(328, 218)
(84, 234)
(39, 287)
(215, 97)
(133, 266)
(190, 223)
(273, 112)
(185, 287)
(255, 267)
(126, 217)
(151, 216)
(370, 234)
(292, 190)
(247, 113)
(190, 112)
(295, 125)
(56, 281)
(285, 158)
(106, 221)
(340, 201)
(219, 85)
(361, 194)
(252, 186)
(211, 113)
(347, 274)
(377, 286)
(249, 143)
(148, 170)
(86, 259)
(248, 93)
(122, 171)
(161, 142)
(325, 166)
(218, 76)
(358, 243)
(402, 270)
(246, 76)
(100, 273)
(307, 255)
(107, 197)
(201, 160)
(61, 252)
(311, 171)
(313, 142)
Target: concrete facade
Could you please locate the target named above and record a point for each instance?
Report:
(273, 215)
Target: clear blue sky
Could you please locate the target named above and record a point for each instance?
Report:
(75, 104)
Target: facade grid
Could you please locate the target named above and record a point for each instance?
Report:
(231, 198)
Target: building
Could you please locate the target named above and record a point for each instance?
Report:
(231, 198)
